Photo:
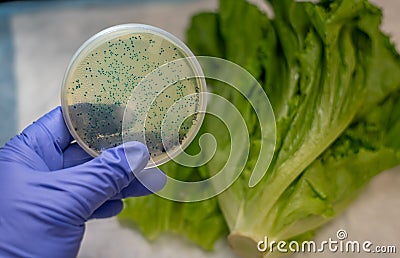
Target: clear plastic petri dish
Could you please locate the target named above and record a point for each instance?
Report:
(106, 73)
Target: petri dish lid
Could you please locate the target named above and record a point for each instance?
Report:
(124, 81)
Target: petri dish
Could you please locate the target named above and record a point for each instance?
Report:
(106, 73)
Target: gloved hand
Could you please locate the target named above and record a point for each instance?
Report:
(49, 188)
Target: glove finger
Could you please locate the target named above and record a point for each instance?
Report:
(146, 182)
(96, 181)
(108, 209)
(47, 137)
(74, 155)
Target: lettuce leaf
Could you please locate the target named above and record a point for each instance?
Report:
(200, 222)
(332, 181)
(333, 80)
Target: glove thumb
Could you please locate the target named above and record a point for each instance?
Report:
(96, 181)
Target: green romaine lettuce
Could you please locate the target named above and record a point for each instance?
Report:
(333, 80)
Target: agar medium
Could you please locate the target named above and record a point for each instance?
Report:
(124, 82)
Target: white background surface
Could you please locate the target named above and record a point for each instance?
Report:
(45, 41)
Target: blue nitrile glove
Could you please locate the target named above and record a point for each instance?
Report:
(49, 188)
